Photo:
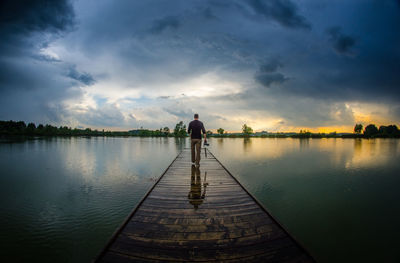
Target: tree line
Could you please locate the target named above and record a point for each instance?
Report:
(21, 128)
(372, 131)
(180, 130)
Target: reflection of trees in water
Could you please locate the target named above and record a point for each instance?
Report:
(220, 141)
(393, 147)
(372, 153)
(180, 142)
(357, 146)
(246, 143)
(304, 143)
(196, 195)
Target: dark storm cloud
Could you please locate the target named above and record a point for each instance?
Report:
(84, 77)
(267, 79)
(341, 43)
(162, 24)
(367, 68)
(208, 13)
(282, 11)
(267, 74)
(23, 24)
(154, 48)
(21, 17)
(33, 79)
(270, 66)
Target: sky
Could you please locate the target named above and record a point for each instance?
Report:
(276, 65)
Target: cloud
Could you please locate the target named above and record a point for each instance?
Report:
(282, 11)
(395, 112)
(84, 78)
(267, 74)
(270, 66)
(180, 111)
(292, 110)
(161, 25)
(128, 64)
(107, 115)
(267, 79)
(24, 17)
(208, 13)
(32, 83)
(342, 43)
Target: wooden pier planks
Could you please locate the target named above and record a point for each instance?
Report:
(201, 215)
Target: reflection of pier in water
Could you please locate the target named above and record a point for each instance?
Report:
(178, 221)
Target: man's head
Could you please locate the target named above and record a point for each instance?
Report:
(196, 116)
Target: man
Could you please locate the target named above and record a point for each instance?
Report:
(195, 128)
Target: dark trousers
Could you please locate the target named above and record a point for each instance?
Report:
(196, 148)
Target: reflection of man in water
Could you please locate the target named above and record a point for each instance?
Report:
(195, 196)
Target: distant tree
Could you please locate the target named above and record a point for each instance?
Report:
(358, 128)
(393, 130)
(166, 131)
(30, 129)
(220, 131)
(371, 130)
(209, 132)
(388, 131)
(247, 130)
(180, 130)
(303, 134)
(383, 130)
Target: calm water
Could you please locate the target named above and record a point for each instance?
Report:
(62, 198)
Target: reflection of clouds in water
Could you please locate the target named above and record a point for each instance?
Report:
(254, 148)
(372, 153)
(346, 153)
(116, 160)
(93, 158)
(77, 158)
(337, 150)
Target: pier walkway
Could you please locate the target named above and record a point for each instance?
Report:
(201, 215)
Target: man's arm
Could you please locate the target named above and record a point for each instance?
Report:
(189, 128)
(204, 132)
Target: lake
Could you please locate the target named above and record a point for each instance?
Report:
(62, 198)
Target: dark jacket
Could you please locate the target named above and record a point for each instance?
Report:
(196, 127)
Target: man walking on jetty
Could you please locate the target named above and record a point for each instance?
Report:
(195, 128)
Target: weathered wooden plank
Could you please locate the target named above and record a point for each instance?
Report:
(234, 230)
(237, 242)
(182, 204)
(271, 248)
(201, 214)
(228, 219)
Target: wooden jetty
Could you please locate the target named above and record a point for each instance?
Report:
(201, 215)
